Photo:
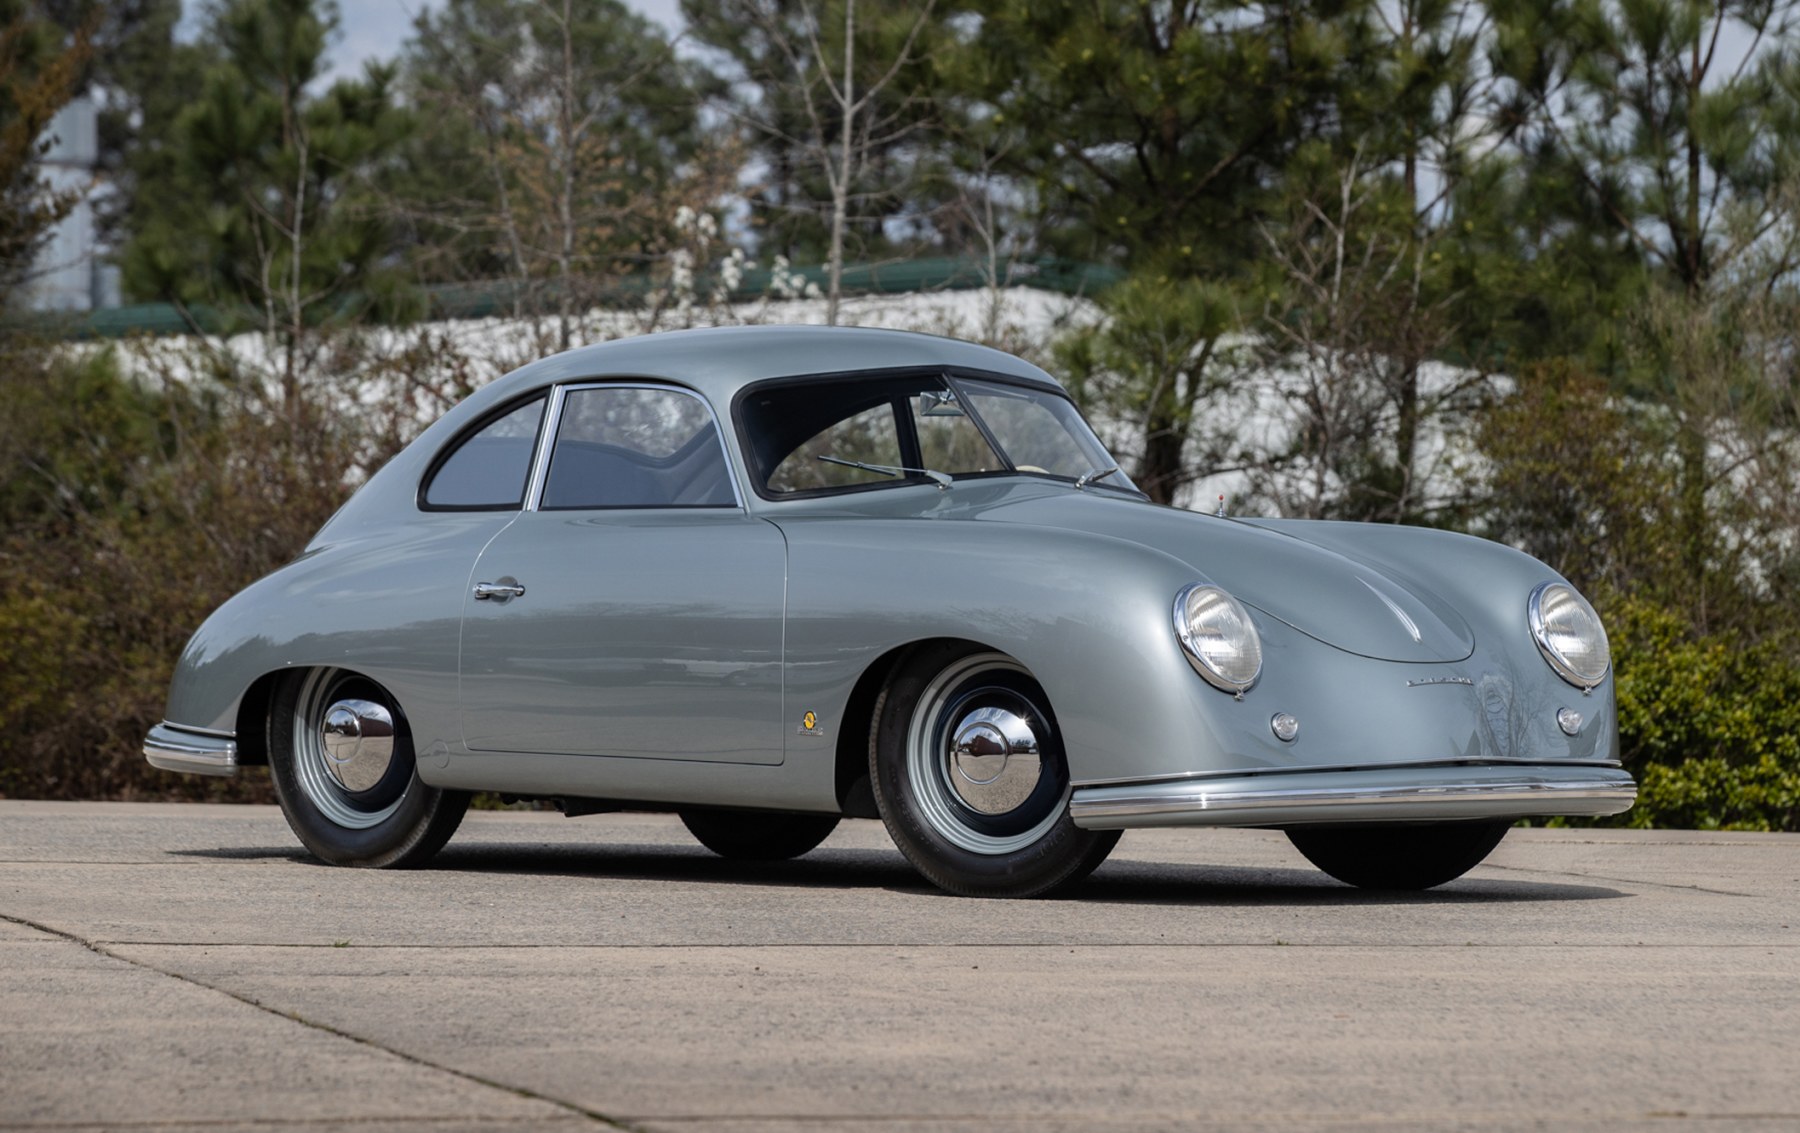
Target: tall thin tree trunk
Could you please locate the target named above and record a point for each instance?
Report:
(1406, 439)
(840, 185)
(565, 197)
(296, 319)
(1691, 252)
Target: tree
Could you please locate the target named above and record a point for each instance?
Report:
(559, 140)
(1152, 129)
(40, 65)
(139, 77)
(834, 91)
(1152, 134)
(1147, 372)
(1360, 303)
(267, 203)
(1662, 135)
(1661, 117)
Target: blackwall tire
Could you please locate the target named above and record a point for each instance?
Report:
(971, 780)
(1399, 857)
(755, 836)
(352, 794)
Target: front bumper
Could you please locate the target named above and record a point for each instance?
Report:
(1430, 793)
(193, 751)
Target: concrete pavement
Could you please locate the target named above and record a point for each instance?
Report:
(187, 967)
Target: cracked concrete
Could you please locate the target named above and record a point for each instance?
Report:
(187, 967)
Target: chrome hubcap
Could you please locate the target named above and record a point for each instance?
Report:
(345, 747)
(976, 759)
(994, 761)
(359, 743)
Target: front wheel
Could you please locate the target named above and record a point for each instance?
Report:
(757, 836)
(1399, 857)
(341, 758)
(970, 778)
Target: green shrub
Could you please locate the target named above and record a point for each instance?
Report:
(1712, 794)
(1709, 725)
(130, 515)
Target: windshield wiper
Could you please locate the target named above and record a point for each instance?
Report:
(1086, 478)
(942, 480)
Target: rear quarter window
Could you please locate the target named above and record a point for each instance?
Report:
(488, 469)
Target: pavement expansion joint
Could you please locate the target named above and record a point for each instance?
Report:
(935, 945)
(109, 862)
(100, 949)
(1620, 880)
(1207, 1120)
(434, 1120)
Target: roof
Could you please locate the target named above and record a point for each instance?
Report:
(716, 361)
(719, 361)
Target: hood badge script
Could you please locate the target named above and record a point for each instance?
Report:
(1439, 681)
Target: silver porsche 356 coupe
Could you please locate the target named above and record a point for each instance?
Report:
(768, 577)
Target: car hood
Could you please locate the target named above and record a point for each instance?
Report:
(1326, 595)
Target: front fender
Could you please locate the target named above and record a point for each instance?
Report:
(1089, 615)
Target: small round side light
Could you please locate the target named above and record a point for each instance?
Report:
(1569, 721)
(1285, 726)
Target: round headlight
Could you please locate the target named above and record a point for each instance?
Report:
(1219, 638)
(1569, 634)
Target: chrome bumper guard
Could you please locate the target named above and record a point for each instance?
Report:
(174, 748)
(1399, 794)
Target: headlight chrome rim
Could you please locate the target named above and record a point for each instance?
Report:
(1540, 635)
(1197, 656)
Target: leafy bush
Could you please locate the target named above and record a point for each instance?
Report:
(1707, 661)
(1710, 726)
(1713, 794)
(132, 515)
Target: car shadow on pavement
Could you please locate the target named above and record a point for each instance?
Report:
(1127, 881)
(1173, 883)
(246, 853)
(846, 868)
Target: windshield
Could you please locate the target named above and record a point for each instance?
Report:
(849, 433)
(1041, 432)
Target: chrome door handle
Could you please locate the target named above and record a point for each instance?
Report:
(485, 591)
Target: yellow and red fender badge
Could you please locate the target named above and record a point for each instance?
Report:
(809, 725)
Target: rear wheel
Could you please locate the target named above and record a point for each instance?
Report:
(970, 778)
(758, 836)
(341, 757)
(1399, 857)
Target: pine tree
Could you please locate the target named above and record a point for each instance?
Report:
(40, 65)
(265, 202)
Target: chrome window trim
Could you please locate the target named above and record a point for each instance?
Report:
(540, 471)
(540, 461)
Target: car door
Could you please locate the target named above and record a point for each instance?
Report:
(634, 608)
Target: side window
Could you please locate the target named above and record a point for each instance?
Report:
(487, 470)
(620, 446)
(869, 437)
